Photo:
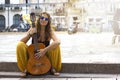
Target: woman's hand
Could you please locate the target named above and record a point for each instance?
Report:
(40, 53)
(32, 31)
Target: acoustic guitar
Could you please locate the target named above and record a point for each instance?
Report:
(37, 66)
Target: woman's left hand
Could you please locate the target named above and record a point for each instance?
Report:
(40, 53)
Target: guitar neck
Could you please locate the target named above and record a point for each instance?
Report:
(35, 42)
(33, 24)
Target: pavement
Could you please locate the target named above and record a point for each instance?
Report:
(79, 48)
(76, 48)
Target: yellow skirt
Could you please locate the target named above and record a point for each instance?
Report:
(22, 57)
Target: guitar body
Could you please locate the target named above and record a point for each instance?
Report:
(37, 66)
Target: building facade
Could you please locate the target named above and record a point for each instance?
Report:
(98, 14)
(11, 11)
(88, 14)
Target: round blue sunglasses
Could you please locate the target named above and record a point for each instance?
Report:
(43, 18)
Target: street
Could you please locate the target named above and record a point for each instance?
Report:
(76, 48)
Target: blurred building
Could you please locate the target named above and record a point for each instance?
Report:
(87, 14)
(11, 11)
(98, 14)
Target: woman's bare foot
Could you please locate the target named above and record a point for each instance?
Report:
(53, 71)
(24, 74)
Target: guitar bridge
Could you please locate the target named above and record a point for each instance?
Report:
(40, 64)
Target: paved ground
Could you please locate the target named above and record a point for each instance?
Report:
(76, 48)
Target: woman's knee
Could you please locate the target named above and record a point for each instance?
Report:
(21, 45)
(21, 49)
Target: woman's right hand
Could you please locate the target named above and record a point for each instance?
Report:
(32, 31)
(29, 34)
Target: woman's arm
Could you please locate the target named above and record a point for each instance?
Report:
(55, 42)
(30, 32)
(26, 37)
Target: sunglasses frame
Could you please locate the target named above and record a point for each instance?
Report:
(43, 18)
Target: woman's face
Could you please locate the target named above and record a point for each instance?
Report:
(44, 19)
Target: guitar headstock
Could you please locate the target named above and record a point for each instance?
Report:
(33, 19)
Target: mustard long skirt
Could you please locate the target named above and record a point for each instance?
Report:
(22, 57)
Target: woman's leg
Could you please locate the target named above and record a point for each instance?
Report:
(22, 56)
(55, 58)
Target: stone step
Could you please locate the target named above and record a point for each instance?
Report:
(99, 68)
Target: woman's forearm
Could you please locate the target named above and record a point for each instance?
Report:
(53, 45)
(26, 38)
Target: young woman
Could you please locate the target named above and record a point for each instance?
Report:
(45, 34)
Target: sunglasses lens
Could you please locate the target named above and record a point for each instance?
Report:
(46, 19)
(43, 18)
